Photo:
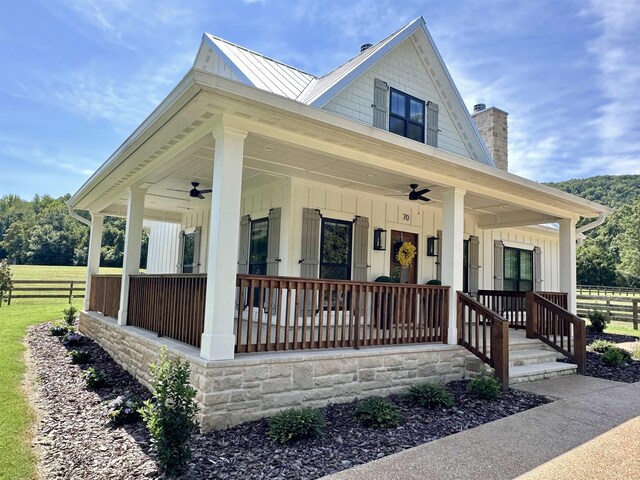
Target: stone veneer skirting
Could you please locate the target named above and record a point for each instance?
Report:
(253, 386)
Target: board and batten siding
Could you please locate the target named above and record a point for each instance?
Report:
(164, 244)
(403, 70)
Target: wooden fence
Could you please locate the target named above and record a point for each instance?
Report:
(621, 304)
(68, 289)
(104, 296)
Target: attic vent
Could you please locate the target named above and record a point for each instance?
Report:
(479, 107)
(365, 46)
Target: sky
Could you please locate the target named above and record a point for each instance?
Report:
(78, 76)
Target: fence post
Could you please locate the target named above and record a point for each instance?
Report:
(635, 314)
(531, 317)
(70, 292)
(9, 297)
(500, 351)
(580, 346)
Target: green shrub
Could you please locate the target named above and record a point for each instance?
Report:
(615, 357)
(430, 394)
(295, 424)
(59, 330)
(94, 378)
(69, 315)
(434, 282)
(124, 410)
(486, 386)
(599, 321)
(377, 412)
(601, 346)
(79, 357)
(170, 415)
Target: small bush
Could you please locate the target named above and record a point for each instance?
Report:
(295, 424)
(79, 357)
(59, 330)
(94, 378)
(601, 346)
(170, 416)
(599, 321)
(377, 412)
(614, 357)
(430, 395)
(72, 338)
(486, 387)
(124, 410)
(69, 315)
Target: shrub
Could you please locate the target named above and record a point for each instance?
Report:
(71, 338)
(430, 394)
(295, 424)
(94, 378)
(69, 315)
(59, 330)
(601, 346)
(124, 410)
(486, 386)
(377, 412)
(6, 281)
(614, 357)
(599, 321)
(79, 357)
(170, 416)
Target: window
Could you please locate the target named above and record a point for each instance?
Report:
(335, 249)
(190, 250)
(518, 270)
(258, 247)
(406, 116)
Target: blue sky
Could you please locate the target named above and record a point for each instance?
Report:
(77, 76)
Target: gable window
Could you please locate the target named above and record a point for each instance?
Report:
(258, 243)
(335, 249)
(518, 269)
(406, 116)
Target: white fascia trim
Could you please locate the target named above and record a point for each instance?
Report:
(239, 73)
(341, 84)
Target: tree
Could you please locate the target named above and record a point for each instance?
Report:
(6, 281)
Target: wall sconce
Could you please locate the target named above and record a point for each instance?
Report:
(432, 246)
(379, 239)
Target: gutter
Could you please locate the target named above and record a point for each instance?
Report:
(73, 214)
(590, 226)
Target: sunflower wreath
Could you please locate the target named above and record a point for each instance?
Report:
(406, 254)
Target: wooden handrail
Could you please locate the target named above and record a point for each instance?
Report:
(513, 305)
(558, 328)
(476, 324)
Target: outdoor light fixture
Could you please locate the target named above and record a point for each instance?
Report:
(432, 247)
(379, 239)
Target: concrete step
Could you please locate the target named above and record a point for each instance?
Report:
(530, 356)
(531, 373)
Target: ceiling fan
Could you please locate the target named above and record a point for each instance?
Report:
(194, 192)
(415, 194)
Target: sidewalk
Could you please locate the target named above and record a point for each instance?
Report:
(592, 431)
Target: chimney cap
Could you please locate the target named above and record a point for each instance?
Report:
(365, 46)
(479, 107)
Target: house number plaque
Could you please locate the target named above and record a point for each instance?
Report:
(405, 218)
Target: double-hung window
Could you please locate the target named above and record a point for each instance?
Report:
(335, 249)
(258, 246)
(518, 269)
(406, 116)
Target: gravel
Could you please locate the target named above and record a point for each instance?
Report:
(75, 441)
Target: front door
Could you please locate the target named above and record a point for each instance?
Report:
(397, 239)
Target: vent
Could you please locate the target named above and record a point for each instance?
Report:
(365, 46)
(479, 107)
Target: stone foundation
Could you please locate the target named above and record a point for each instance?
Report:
(253, 386)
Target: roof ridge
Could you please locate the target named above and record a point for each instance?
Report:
(253, 52)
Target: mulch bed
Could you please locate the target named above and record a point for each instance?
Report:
(75, 441)
(628, 373)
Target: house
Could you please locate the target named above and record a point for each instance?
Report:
(278, 197)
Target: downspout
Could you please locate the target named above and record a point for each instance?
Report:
(73, 213)
(590, 226)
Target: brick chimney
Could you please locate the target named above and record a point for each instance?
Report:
(492, 125)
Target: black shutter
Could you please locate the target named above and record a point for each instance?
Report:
(273, 242)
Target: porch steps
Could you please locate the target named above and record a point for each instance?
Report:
(531, 373)
(531, 360)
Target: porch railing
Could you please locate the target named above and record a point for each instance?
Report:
(557, 327)
(485, 334)
(104, 296)
(513, 305)
(281, 313)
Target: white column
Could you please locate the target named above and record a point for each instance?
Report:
(93, 256)
(132, 246)
(451, 243)
(218, 339)
(567, 261)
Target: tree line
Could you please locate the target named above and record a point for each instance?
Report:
(41, 232)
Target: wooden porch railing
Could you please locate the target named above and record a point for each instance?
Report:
(513, 305)
(485, 334)
(558, 328)
(170, 305)
(104, 296)
(285, 313)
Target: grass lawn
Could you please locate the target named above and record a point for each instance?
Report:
(46, 272)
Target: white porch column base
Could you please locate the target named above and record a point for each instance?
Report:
(218, 339)
(132, 245)
(567, 261)
(451, 243)
(93, 256)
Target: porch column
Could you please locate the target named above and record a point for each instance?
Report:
(132, 245)
(93, 256)
(452, 252)
(567, 261)
(218, 339)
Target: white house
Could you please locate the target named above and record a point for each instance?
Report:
(301, 197)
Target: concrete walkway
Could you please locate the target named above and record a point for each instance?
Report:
(591, 431)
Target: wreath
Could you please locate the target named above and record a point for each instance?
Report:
(406, 254)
